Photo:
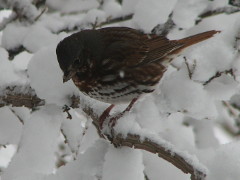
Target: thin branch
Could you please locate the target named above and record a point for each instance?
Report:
(190, 70)
(19, 96)
(66, 109)
(218, 74)
(147, 144)
(222, 10)
(234, 111)
(42, 12)
(19, 118)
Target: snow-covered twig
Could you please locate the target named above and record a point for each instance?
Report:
(178, 159)
(24, 9)
(25, 96)
(190, 69)
(13, 52)
(8, 20)
(17, 96)
(234, 3)
(218, 74)
(99, 24)
(164, 29)
(222, 10)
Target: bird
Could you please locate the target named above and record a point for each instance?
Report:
(119, 64)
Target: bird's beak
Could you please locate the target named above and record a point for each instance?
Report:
(67, 76)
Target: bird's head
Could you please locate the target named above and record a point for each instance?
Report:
(71, 56)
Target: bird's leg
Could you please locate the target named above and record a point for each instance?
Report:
(113, 120)
(104, 115)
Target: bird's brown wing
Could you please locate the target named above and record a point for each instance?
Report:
(123, 46)
(159, 48)
(130, 48)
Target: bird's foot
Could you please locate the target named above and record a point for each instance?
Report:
(104, 116)
(113, 120)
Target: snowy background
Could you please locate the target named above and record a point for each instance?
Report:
(195, 110)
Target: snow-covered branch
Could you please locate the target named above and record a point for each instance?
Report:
(214, 12)
(18, 96)
(25, 96)
(24, 9)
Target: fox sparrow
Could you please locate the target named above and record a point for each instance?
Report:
(118, 64)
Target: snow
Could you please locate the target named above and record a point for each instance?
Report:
(167, 170)
(94, 16)
(11, 38)
(203, 129)
(86, 166)
(223, 162)
(116, 168)
(10, 127)
(73, 130)
(186, 12)
(7, 69)
(4, 14)
(128, 6)
(146, 11)
(189, 96)
(26, 7)
(46, 77)
(112, 9)
(6, 153)
(72, 6)
(148, 115)
(37, 146)
(20, 62)
(222, 88)
(217, 56)
(37, 38)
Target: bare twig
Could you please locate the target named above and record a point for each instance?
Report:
(190, 70)
(66, 109)
(19, 118)
(42, 12)
(234, 111)
(218, 74)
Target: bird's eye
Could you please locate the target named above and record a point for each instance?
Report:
(77, 62)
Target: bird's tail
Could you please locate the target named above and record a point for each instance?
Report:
(188, 41)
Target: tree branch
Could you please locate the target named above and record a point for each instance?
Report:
(234, 3)
(222, 10)
(18, 96)
(25, 96)
(218, 74)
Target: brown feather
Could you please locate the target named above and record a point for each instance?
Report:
(188, 41)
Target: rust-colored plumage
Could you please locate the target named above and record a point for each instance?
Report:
(118, 64)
